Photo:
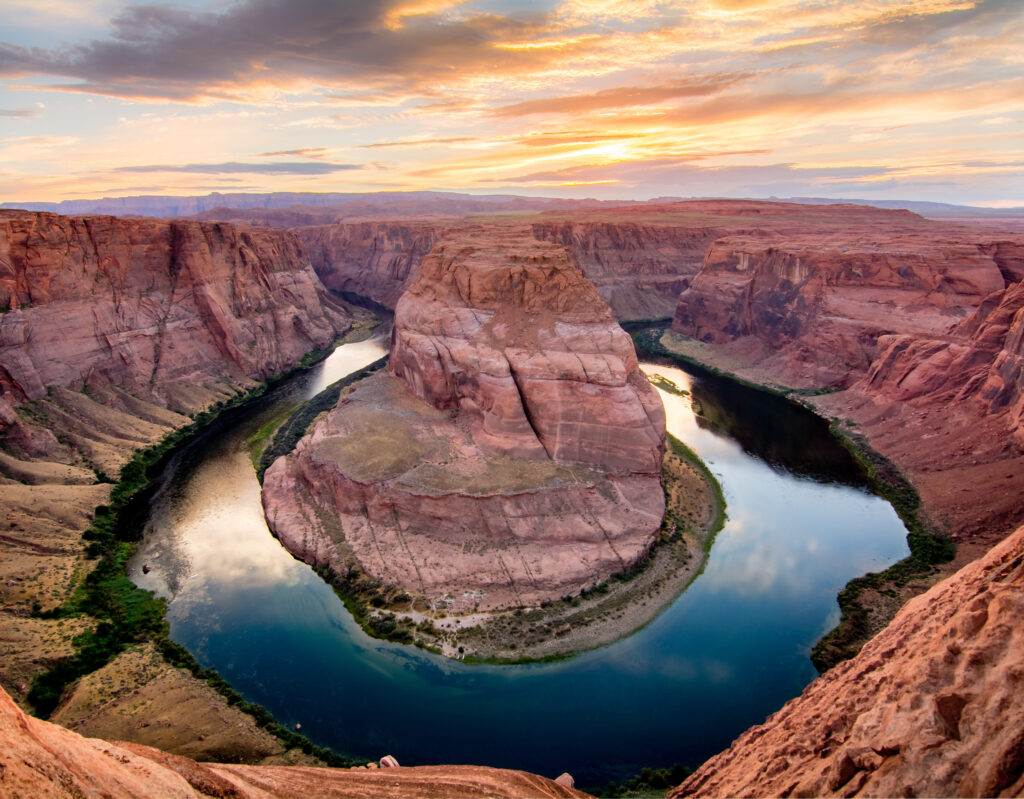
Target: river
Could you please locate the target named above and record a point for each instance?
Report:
(728, 652)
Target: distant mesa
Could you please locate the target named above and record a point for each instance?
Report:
(512, 455)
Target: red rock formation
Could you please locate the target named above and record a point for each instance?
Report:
(373, 259)
(533, 471)
(932, 706)
(41, 759)
(151, 306)
(509, 332)
(639, 268)
(811, 307)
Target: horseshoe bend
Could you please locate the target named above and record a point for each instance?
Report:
(511, 455)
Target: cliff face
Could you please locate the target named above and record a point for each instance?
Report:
(509, 332)
(932, 706)
(639, 269)
(112, 331)
(373, 259)
(41, 759)
(151, 306)
(981, 359)
(515, 459)
(812, 308)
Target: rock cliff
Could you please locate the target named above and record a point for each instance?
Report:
(152, 306)
(41, 759)
(516, 457)
(639, 268)
(932, 706)
(811, 308)
(114, 331)
(373, 259)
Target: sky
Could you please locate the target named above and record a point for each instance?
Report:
(867, 99)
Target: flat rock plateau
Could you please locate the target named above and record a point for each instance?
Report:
(904, 331)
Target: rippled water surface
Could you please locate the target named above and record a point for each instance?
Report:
(724, 655)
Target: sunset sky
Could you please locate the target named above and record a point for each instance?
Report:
(874, 99)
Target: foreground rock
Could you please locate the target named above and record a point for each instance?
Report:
(932, 706)
(41, 759)
(514, 457)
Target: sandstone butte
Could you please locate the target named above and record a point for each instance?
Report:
(513, 455)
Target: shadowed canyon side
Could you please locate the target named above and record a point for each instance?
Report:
(919, 325)
(115, 333)
(512, 456)
(41, 759)
(932, 706)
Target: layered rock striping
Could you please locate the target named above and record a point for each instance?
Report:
(150, 305)
(638, 268)
(114, 331)
(372, 259)
(514, 455)
(812, 308)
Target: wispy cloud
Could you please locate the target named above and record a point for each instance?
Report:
(234, 167)
(418, 142)
(621, 97)
(757, 95)
(19, 113)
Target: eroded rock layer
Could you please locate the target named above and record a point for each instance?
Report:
(513, 457)
(372, 259)
(151, 306)
(932, 706)
(812, 307)
(113, 332)
(505, 329)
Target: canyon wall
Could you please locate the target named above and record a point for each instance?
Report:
(152, 306)
(811, 308)
(112, 333)
(372, 259)
(515, 459)
(639, 268)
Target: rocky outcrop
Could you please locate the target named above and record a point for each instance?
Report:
(372, 259)
(508, 332)
(980, 360)
(112, 333)
(152, 307)
(639, 268)
(932, 706)
(514, 458)
(41, 759)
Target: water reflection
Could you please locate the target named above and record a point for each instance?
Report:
(771, 428)
(727, 653)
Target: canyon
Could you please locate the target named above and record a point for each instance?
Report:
(513, 454)
(907, 332)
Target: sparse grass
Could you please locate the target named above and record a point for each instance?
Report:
(648, 783)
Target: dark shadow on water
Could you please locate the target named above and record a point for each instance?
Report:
(787, 437)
